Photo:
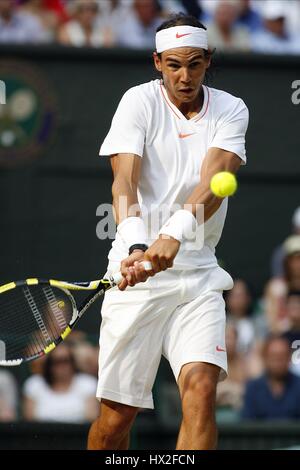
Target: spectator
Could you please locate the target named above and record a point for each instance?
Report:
(248, 17)
(193, 8)
(224, 33)
(48, 17)
(278, 254)
(8, 396)
(275, 39)
(19, 26)
(85, 29)
(293, 310)
(138, 31)
(230, 391)
(291, 249)
(276, 394)
(238, 305)
(277, 288)
(113, 14)
(86, 358)
(60, 394)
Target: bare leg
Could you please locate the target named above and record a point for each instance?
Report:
(111, 430)
(197, 384)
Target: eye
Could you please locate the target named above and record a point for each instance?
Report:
(174, 66)
(194, 65)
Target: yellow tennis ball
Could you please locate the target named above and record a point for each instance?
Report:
(223, 184)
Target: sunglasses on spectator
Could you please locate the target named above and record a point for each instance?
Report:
(61, 360)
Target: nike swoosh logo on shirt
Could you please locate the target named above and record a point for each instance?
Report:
(218, 348)
(181, 35)
(183, 136)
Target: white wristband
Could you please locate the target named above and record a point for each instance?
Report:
(181, 225)
(132, 230)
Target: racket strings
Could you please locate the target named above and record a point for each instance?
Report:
(31, 318)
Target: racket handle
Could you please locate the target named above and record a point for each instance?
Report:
(117, 277)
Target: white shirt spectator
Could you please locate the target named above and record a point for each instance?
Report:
(77, 35)
(22, 28)
(134, 34)
(267, 43)
(68, 406)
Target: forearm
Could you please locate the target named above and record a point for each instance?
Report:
(202, 195)
(126, 170)
(215, 161)
(182, 224)
(125, 201)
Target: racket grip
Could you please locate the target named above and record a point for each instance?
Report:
(117, 277)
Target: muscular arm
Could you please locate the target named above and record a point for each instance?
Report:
(163, 251)
(126, 170)
(216, 160)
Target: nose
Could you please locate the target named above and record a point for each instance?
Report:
(185, 76)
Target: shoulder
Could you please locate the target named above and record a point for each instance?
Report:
(34, 385)
(87, 384)
(255, 385)
(139, 100)
(225, 104)
(145, 91)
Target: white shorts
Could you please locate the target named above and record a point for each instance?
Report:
(180, 314)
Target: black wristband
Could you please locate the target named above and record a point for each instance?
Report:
(138, 246)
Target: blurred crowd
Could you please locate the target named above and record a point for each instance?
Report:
(263, 347)
(263, 26)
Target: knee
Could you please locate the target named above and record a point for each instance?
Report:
(116, 422)
(199, 396)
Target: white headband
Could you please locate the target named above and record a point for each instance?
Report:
(180, 36)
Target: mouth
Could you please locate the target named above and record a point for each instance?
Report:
(186, 91)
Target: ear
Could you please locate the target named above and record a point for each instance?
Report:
(157, 62)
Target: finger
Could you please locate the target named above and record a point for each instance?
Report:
(140, 273)
(163, 264)
(124, 267)
(155, 265)
(131, 278)
(123, 284)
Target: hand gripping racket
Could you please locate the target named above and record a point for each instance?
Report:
(36, 314)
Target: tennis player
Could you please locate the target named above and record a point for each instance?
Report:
(167, 139)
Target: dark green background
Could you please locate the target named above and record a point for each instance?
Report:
(48, 207)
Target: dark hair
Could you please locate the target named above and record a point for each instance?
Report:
(48, 367)
(250, 292)
(181, 19)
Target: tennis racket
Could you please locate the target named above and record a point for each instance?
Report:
(36, 315)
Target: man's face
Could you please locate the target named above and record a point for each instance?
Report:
(183, 70)
(277, 359)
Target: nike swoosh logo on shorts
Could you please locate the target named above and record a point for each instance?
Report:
(181, 35)
(183, 136)
(219, 349)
